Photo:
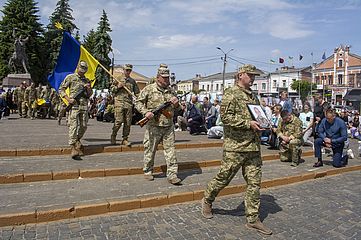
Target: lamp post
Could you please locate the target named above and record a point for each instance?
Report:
(224, 65)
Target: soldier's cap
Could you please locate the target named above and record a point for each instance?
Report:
(83, 67)
(250, 69)
(163, 70)
(128, 66)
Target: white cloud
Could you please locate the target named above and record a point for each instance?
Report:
(275, 52)
(181, 40)
(279, 25)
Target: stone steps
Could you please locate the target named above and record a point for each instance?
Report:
(36, 202)
(46, 168)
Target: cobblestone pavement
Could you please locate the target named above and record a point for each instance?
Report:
(41, 133)
(327, 208)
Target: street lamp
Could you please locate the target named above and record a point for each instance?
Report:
(224, 64)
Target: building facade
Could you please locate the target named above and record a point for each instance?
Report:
(338, 73)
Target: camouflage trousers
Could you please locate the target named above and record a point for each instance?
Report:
(291, 152)
(122, 115)
(32, 107)
(252, 173)
(152, 137)
(24, 109)
(78, 120)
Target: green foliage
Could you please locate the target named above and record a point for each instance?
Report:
(103, 44)
(22, 15)
(304, 87)
(90, 41)
(53, 36)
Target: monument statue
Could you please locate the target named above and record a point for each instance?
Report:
(19, 60)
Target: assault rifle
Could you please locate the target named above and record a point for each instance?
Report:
(75, 97)
(160, 110)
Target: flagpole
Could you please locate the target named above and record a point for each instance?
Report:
(125, 88)
(59, 26)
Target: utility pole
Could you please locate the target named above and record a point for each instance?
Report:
(224, 66)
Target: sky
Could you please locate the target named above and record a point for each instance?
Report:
(185, 34)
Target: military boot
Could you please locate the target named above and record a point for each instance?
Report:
(206, 209)
(113, 139)
(126, 142)
(258, 225)
(79, 147)
(74, 152)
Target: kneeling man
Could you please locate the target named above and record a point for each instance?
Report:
(332, 133)
(289, 131)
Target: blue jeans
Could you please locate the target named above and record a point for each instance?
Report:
(337, 160)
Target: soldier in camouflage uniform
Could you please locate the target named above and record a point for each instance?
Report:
(159, 128)
(241, 148)
(31, 97)
(289, 131)
(19, 99)
(80, 92)
(45, 94)
(123, 104)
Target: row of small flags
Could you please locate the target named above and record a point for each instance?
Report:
(282, 60)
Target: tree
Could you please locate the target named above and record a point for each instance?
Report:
(21, 15)
(89, 41)
(303, 87)
(103, 44)
(53, 37)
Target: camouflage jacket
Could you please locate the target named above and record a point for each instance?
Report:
(75, 83)
(121, 97)
(45, 93)
(30, 94)
(236, 118)
(151, 97)
(292, 128)
(19, 94)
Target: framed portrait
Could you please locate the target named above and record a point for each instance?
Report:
(259, 115)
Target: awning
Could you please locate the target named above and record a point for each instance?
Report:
(353, 95)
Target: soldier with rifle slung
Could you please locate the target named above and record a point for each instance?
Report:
(123, 104)
(160, 127)
(80, 92)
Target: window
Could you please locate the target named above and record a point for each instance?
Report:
(263, 86)
(207, 88)
(217, 87)
(340, 63)
(318, 82)
(255, 86)
(284, 83)
(274, 83)
(203, 87)
(329, 79)
(340, 79)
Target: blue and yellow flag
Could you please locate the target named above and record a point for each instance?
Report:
(71, 53)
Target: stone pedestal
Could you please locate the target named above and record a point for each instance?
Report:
(14, 80)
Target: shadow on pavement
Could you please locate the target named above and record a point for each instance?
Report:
(268, 206)
(185, 169)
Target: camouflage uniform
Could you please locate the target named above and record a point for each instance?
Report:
(79, 112)
(159, 128)
(291, 151)
(30, 98)
(123, 106)
(19, 96)
(241, 148)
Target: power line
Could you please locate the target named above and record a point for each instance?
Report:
(256, 61)
(166, 59)
(211, 60)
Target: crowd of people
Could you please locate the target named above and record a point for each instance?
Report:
(281, 126)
